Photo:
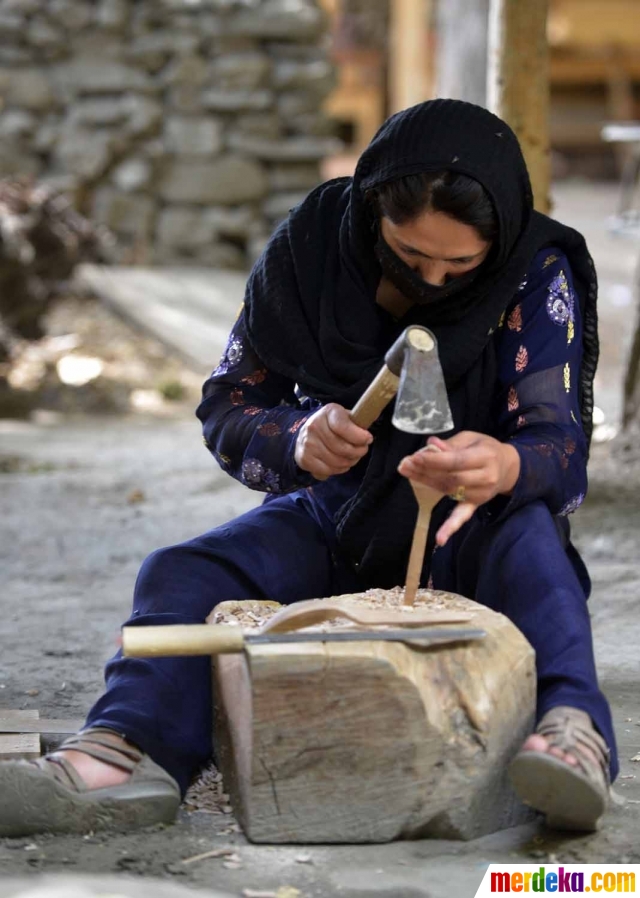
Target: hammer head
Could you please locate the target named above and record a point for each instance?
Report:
(422, 405)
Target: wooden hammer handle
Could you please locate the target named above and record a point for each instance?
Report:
(181, 639)
(376, 397)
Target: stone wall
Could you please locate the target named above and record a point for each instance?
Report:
(189, 127)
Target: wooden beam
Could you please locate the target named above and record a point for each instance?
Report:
(21, 745)
(518, 83)
(410, 79)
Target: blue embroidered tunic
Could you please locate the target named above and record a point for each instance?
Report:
(251, 416)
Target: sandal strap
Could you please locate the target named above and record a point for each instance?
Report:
(571, 730)
(62, 771)
(98, 743)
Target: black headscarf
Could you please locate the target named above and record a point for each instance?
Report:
(312, 315)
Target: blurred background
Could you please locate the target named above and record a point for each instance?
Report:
(149, 147)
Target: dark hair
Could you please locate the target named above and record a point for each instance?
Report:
(452, 193)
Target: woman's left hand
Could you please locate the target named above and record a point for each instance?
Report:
(474, 464)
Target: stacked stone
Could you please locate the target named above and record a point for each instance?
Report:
(189, 127)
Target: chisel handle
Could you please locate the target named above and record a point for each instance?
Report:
(181, 639)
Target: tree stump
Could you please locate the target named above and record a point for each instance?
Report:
(373, 741)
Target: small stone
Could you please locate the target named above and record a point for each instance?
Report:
(240, 222)
(301, 176)
(29, 88)
(315, 124)
(16, 123)
(85, 153)
(317, 76)
(154, 49)
(112, 15)
(192, 71)
(184, 99)
(241, 71)
(86, 76)
(15, 56)
(71, 14)
(237, 100)
(278, 206)
(126, 213)
(46, 137)
(11, 24)
(222, 255)
(259, 124)
(185, 227)
(289, 19)
(100, 111)
(132, 175)
(193, 136)
(42, 34)
(292, 148)
(291, 105)
(226, 180)
(23, 7)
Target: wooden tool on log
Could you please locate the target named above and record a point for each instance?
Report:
(205, 639)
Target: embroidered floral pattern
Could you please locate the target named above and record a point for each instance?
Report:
(566, 374)
(270, 429)
(256, 476)
(549, 261)
(298, 424)
(521, 421)
(502, 318)
(522, 359)
(571, 332)
(572, 505)
(514, 322)
(560, 300)
(513, 403)
(237, 397)
(523, 284)
(569, 445)
(232, 356)
(252, 410)
(544, 449)
(256, 378)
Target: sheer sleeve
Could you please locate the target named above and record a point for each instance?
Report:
(540, 351)
(251, 417)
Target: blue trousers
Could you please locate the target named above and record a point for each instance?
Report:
(282, 552)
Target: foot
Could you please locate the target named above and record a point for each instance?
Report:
(97, 780)
(95, 774)
(563, 770)
(539, 743)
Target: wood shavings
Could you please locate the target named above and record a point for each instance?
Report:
(215, 852)
(207, 794)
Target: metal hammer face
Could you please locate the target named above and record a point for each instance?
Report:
(422, 405)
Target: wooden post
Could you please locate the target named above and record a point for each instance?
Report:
(409, 64)
(518, 83)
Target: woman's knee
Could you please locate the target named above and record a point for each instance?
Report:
(176, 580)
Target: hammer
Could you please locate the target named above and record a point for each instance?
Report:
(411, 370)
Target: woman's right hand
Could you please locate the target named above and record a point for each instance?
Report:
(330, 443)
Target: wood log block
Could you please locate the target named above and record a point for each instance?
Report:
(373, 741)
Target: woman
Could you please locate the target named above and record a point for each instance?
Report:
(435, 228)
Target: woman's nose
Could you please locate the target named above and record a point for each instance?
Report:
(433, 273)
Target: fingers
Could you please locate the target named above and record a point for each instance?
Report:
(462, 513)
(330, 443)
(342, 427)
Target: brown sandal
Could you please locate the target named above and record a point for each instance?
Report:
(48, 795)
(573, 798)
